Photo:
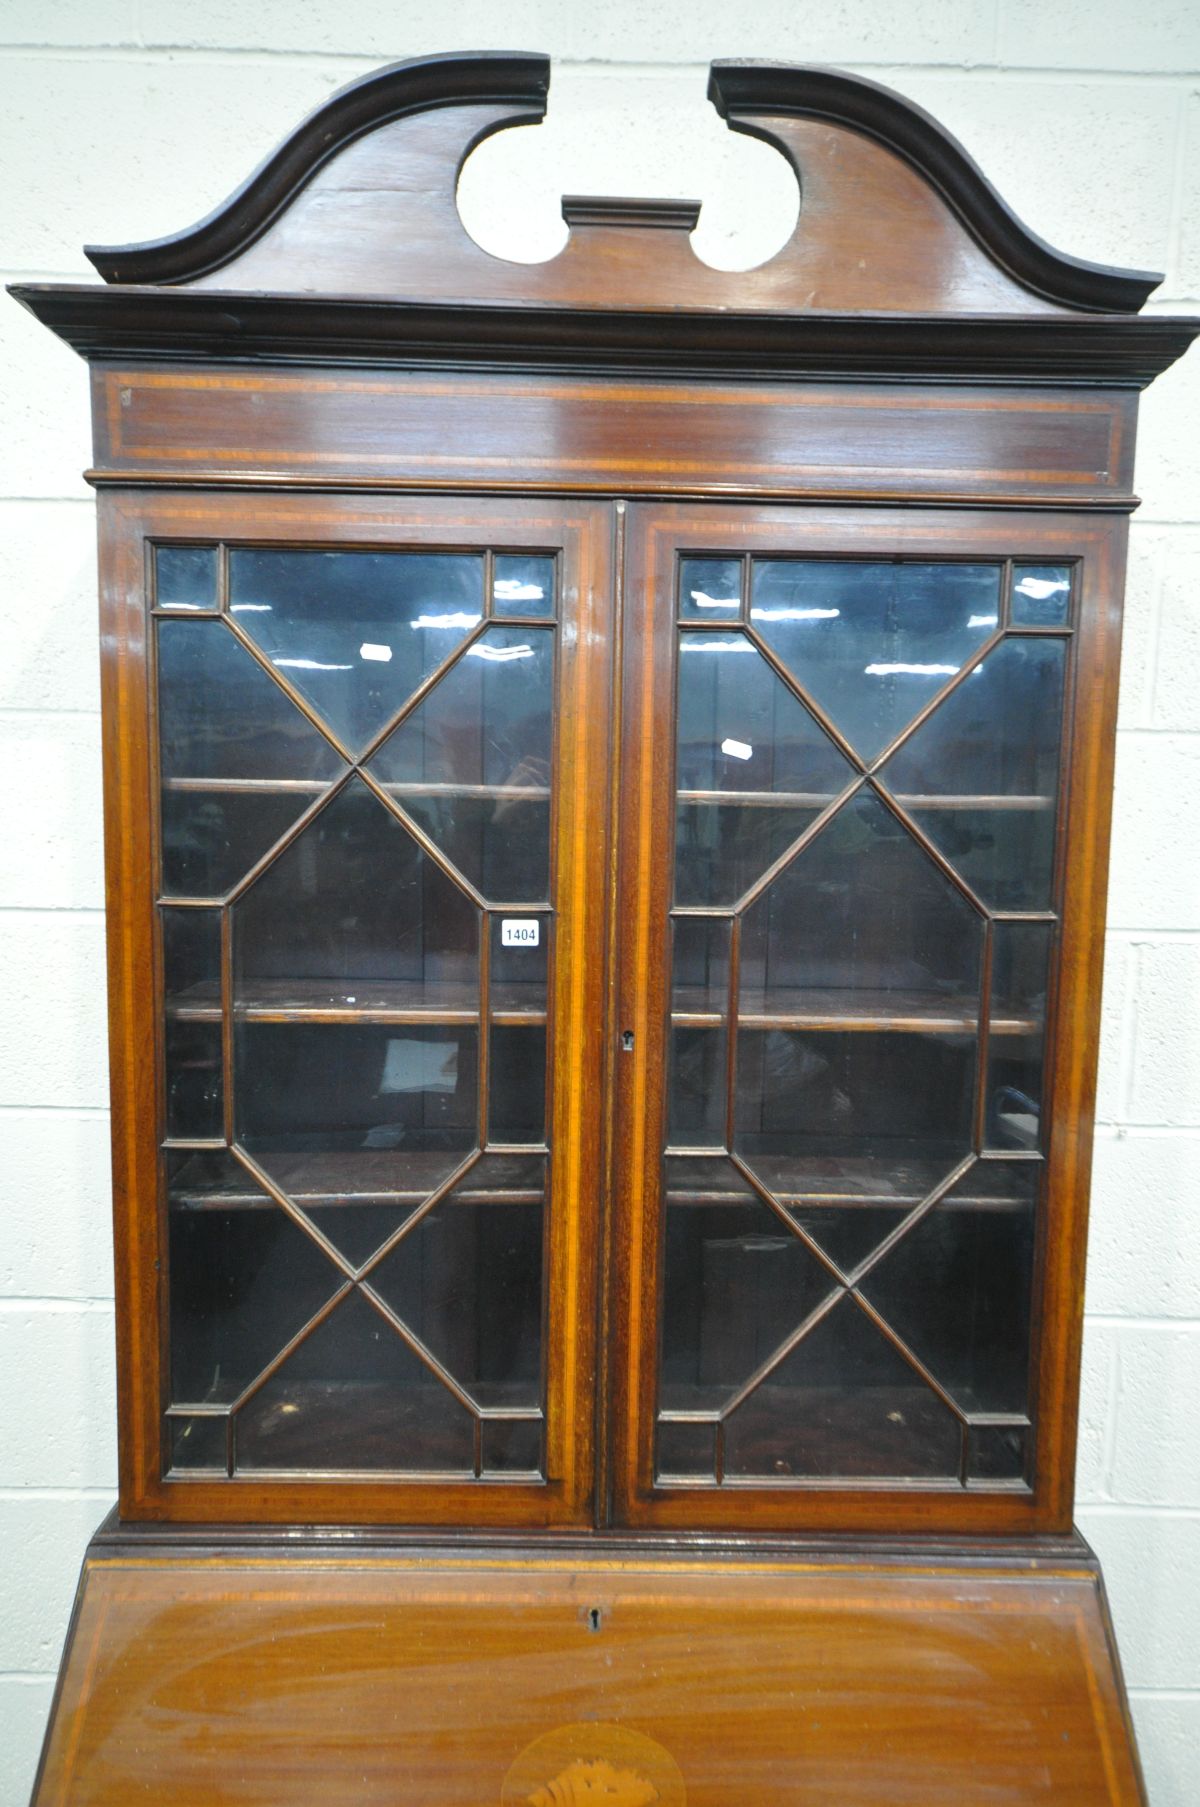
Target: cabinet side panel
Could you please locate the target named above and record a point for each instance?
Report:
(132, 990)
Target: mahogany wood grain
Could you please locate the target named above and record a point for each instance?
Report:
(131, 522)
(446, 430)
(375, 1679)
(656, 535)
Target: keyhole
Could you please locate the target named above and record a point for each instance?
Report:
(627, 1041)
(593, 1618)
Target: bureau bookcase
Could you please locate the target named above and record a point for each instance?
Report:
(608, 769)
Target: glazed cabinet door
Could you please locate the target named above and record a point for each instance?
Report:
(360, 749)
(862, 868)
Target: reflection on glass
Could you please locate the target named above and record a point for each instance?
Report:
(354, 1396)
(356, 1123)
(466, 1280)
(523, 584)
(197, 1443)
(736, 1284)
(710, 589)
(239, 762)
(956, 1288)
(699, 1011)
(980, 777)
(195, 1087)
(873, 642)
(843, 1403)
(471, 764)
(185, 577)
(1016, 1045)
(244, 1279)
(355, 632)
(753, 769)
(1041, 595)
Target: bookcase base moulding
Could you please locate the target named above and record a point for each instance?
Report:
(607, 784)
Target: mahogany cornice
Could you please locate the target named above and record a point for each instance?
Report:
(215, 325)
(749, 95)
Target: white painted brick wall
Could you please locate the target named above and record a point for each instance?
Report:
(122, 119)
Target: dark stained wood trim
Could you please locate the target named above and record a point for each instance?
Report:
(185, 324)
(456, 79)
(749, 94)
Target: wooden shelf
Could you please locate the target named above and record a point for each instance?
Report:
(313, 787)
(822, 799)
(387, 1177)
(370, 1001)
(816, 1182)
(875, 1010)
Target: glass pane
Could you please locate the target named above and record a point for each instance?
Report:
(244, 1279)
(239, 761)
(686, 1449)
(710, 589)
(512, 1446)
(996, 1452)
(354, 916)
(471, 764)
(699, 1012)
(185, 577)
(736, 1284)
(354, 1396)
(194, 1075)
(1016, 1042)
(872, 643)
(520, 954)
(355, 632)
(843, 1403)
(356, 1123)
(192, 964)
(980, 777)
(858, 1011)
(956, 1289)
(197, 1443)
(523, 584)
(1041, 595)
(466, 1280)
(753, 769)
(517, 1111)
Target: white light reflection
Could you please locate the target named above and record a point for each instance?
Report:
(1039, 589)
(249, 608)
(737, 749)
(910, 671)
(511, 589)
(499, 655)
(717, 643)
(983, 621)
(794, 614)
(458, 620)
(703, 600)
(369, 650)
(308, 665)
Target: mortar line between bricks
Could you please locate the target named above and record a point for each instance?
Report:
(1131, 1509)
(29, 1677)
(86, 1113)
(92, 1495)
(983, 64)
(1145, 1132)
(79, 1305)
(1184, 1695)
(1110, 1320)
